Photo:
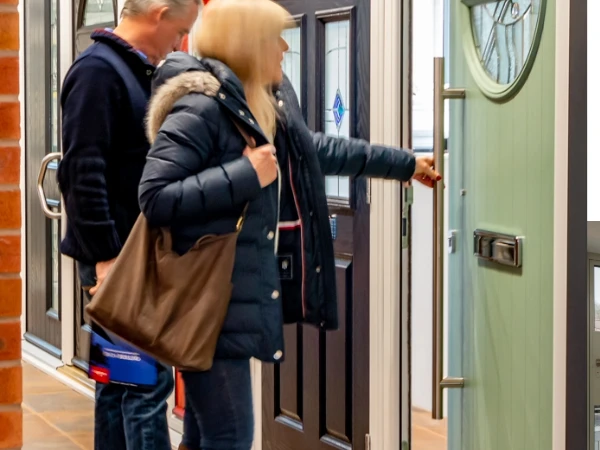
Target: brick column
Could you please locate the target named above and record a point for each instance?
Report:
(11, 390)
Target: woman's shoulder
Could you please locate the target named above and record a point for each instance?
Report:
(193, 91)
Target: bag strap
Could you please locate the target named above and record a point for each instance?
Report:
(249, 141)
(252, 144)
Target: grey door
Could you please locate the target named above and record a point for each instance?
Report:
(42, 133)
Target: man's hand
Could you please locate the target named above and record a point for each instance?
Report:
(102, 269)
(424, 171)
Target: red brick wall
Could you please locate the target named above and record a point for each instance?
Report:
(11, 392)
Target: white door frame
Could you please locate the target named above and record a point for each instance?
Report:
(67, 265)
(390, 126)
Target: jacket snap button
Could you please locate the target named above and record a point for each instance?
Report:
(222, 96)
(148, 72)
(251, 121)
(242, 113)
(319, 269)
(280, 103)
(278, 354)
(271, 235)
(275, 295)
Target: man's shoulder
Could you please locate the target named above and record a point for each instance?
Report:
(93, 63)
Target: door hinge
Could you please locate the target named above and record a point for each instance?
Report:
(367, 442)
(368, 191)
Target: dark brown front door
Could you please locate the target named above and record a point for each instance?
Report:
(319, 397)
(88, 16)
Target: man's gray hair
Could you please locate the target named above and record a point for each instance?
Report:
(134, 8)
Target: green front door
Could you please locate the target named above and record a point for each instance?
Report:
(501, 160)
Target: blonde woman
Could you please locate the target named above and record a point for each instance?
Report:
(200, 174)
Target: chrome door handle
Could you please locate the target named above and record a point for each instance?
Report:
(439, 383)
(40, 185)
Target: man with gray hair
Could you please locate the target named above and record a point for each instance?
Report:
(104, 99)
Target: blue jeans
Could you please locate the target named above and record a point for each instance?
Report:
(130, 417)
(218, 408)
(133, 418)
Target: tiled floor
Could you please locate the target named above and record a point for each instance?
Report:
(428, 434)
(54, 416)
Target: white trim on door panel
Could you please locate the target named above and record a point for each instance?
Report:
(386, 127)
(67, 265)
(561, 166)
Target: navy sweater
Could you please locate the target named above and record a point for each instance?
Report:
(105, 150)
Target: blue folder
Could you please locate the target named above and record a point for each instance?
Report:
(115, 361)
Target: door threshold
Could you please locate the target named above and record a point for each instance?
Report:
(53, 367)
(79, 375)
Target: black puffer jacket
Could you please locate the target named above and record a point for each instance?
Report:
(196, 182)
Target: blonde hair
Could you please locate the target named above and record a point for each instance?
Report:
(235, 32)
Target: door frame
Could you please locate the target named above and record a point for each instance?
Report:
(389, 297)
(570, 364)
(67, 264)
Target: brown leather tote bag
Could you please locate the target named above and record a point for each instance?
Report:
(170, 307)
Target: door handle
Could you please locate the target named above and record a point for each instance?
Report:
(40, 186)
(440, 93)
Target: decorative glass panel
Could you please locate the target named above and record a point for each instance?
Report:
(98, 12)
(292, 60)
(337, 95)
(504, 33)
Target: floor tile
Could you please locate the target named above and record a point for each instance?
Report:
(57, 401)
(37, 382)
(85, 440)
(428, 434)
(35, 429)
(54, 443)
(72, 421)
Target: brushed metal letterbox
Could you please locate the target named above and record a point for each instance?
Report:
(498, 248)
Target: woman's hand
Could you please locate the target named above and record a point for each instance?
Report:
(264, 162)
(424, 171)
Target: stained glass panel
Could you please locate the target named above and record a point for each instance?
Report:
(337, 95)
(292, 60)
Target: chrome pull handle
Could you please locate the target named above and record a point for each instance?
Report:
(439, 383)
(40, 185)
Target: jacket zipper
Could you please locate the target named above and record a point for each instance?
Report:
(301, 240)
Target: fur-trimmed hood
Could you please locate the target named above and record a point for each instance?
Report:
(178, 76)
